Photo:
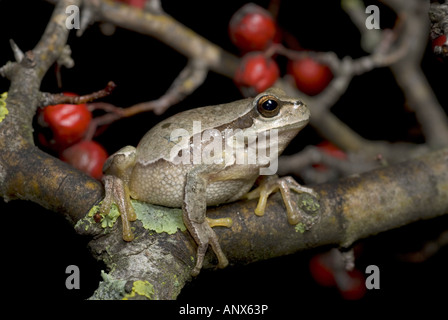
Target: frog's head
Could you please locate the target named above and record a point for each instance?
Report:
(273, 109)
(273, 119)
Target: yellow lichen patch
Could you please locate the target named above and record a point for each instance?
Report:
(93, 211)
(109, 219)
(300, 227)
(142, 288)
(310, 204)
(3, 110)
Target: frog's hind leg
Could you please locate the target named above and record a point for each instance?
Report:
(205, 236)
(117, 192)
(194, 215)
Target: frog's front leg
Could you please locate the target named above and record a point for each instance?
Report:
(117, 192)
(285, 184)
(194, 215)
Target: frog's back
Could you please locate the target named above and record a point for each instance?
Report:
(156, 144)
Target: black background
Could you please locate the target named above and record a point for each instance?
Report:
(37, 245)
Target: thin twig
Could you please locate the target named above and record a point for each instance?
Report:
(18, 54)
(190, 78)
(47, 99)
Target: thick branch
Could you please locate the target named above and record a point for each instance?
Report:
(350, 209)
(34, 175)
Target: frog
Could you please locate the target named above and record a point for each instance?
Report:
(160, 169)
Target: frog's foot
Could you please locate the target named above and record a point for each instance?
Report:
(204, 235)
(285, 185)
(118, 193)
(220, 222)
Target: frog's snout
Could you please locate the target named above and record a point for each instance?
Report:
(303, 110)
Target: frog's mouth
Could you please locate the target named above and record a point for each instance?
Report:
(296, 125)
(282, 127)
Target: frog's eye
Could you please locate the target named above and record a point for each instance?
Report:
(268, 106)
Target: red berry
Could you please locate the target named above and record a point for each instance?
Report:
(252, 28)
(351, 284)
(332, 150)
(321, 270)
(87, 156)
(256, 72)
(310, 76)
(67, 122)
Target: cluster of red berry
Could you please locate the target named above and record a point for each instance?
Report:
(62, 129)
(253, 30)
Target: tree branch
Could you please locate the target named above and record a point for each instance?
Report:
(47, 99)
(350, 209)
